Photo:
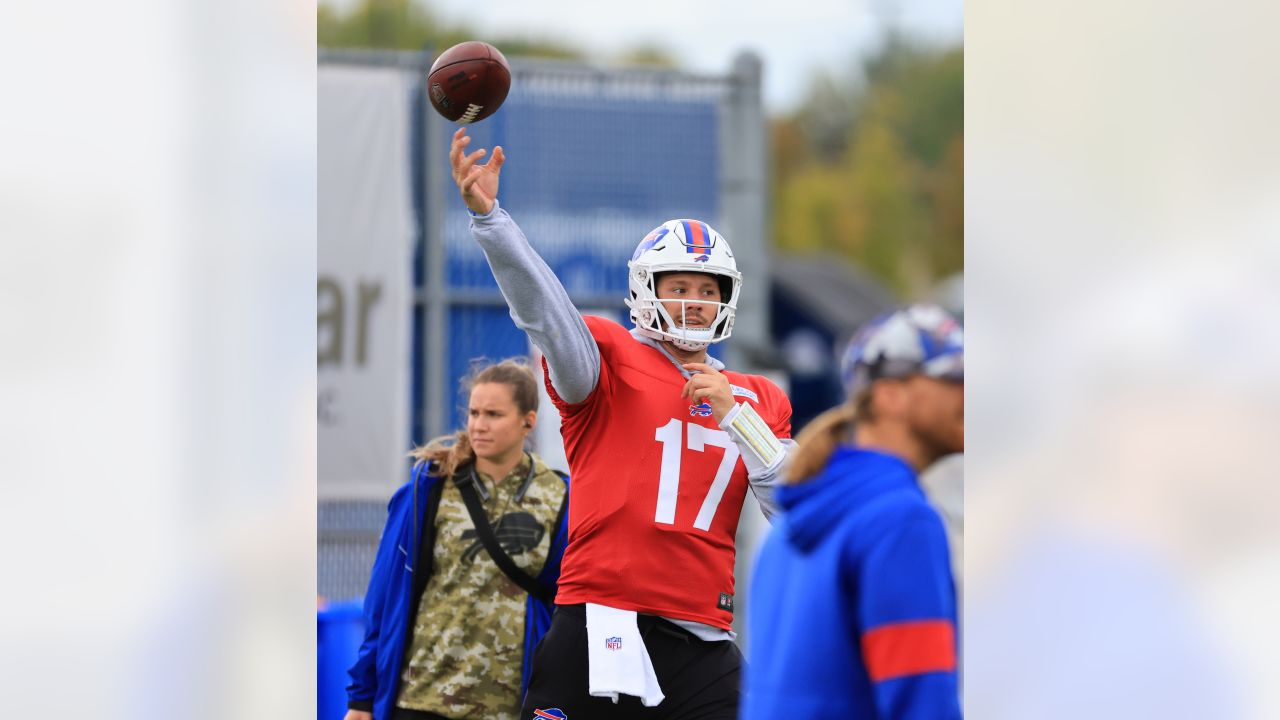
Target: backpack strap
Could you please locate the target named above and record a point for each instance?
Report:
(467, 482)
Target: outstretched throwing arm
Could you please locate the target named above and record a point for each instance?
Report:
(538, 301)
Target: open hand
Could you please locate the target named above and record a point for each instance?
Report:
(477, 183)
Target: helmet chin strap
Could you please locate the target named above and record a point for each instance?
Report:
(689, 345)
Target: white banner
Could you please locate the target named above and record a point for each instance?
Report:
(364, 267)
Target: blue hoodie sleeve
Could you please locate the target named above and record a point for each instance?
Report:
(906, 620)
(389, 558)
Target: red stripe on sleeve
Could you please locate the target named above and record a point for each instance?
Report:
(909, 648)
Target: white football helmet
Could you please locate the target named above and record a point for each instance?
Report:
(682, 246)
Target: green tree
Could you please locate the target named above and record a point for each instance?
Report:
(411, 25)
(650, 54)
(872, 167)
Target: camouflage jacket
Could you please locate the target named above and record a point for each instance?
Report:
(401, 571)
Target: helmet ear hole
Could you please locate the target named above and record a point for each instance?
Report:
(726, 287)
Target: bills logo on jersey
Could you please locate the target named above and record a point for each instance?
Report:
(549, 714)
(613, 643)
(701, 410)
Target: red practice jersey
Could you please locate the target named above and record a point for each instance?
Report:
(656, 487)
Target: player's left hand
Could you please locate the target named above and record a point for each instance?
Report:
(710, 386)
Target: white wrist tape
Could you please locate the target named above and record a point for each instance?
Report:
(760, 450)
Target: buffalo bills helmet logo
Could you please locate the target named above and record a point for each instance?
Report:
(649, 241)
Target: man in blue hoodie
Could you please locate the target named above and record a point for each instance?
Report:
(853, 609)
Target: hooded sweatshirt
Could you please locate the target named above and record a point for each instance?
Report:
(852, 611)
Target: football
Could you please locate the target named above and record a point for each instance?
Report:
(468, 82)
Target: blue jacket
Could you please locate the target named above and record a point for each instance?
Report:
(853, 611)
(389, 602)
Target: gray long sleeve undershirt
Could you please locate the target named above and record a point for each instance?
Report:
(539, 305)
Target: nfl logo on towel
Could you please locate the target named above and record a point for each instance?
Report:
(613, 643)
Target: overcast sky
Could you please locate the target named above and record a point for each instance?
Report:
(794, 38)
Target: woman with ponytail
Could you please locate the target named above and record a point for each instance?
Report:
(853, 609)
(450, 627)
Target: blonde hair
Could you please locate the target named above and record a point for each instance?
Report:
(449, 452)
(820, 437)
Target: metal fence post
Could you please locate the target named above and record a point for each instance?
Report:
(743, 145)
(435, 396)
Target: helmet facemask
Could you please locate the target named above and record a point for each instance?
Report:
(682, 246)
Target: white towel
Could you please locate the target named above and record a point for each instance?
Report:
(617, 660)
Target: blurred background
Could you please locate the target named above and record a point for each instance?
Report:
(830, 156)
(159, 173)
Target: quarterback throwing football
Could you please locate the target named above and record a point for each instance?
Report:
(662, 443)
